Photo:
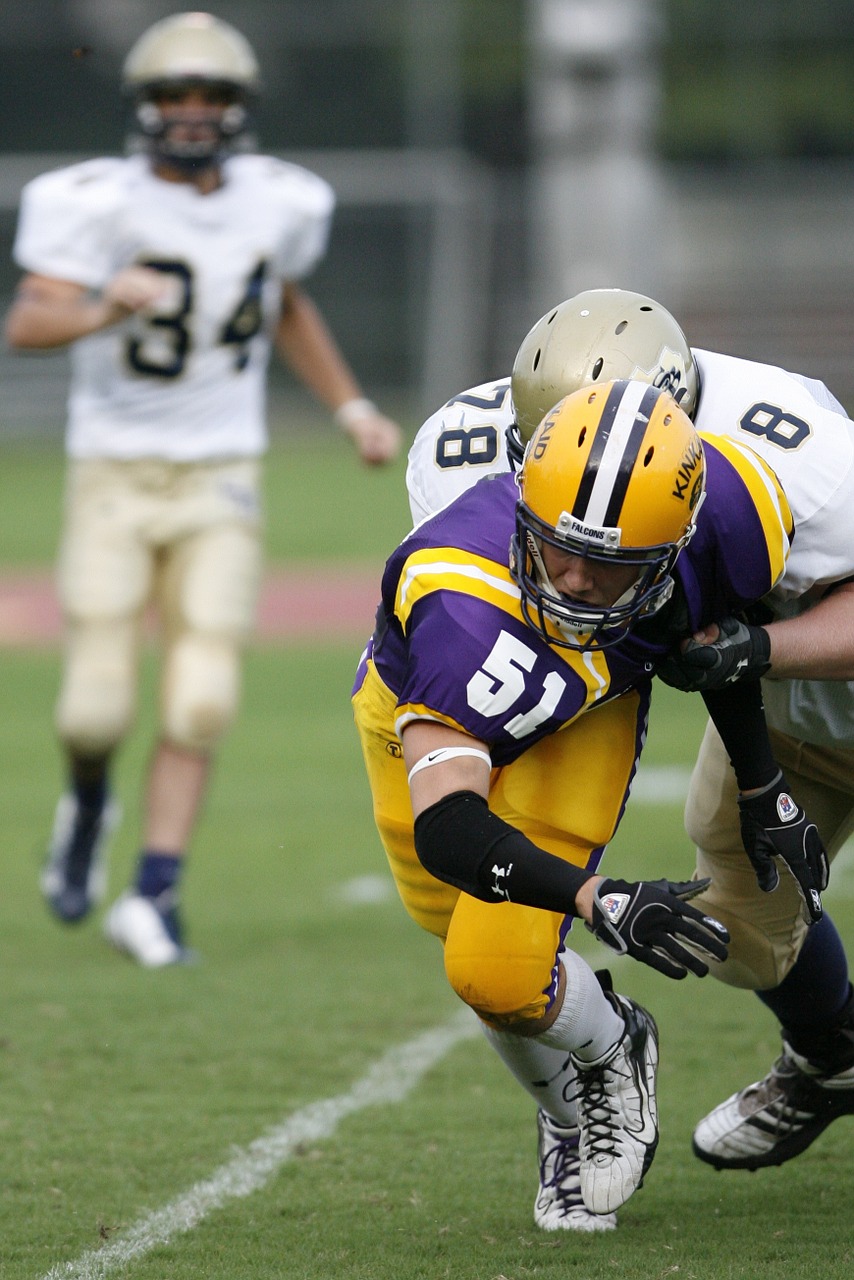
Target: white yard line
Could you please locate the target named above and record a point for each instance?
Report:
(660, 784)
(390, 1079)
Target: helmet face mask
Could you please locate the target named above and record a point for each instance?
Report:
(614, 475)
(595, 337)
(196, 57)
(580, 624)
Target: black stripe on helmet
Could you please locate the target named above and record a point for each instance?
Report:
(630, 457)
(597, 449)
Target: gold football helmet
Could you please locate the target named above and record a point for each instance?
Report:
(596, 336)
(615, 473)
(182, 51)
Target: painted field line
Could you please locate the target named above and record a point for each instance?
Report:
(390, 1079)
(660, 784)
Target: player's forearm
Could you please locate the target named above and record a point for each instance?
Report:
(817, 645)
(35, 323)
(308, 348)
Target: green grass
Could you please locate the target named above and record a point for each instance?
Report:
(124, 1089)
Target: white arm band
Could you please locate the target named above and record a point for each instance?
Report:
(441, 754)
(354, 411)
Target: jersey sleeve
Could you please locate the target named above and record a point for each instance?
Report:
(308, 205)
(458, 445)
(64, 224)
(744, 535)
(802, 433)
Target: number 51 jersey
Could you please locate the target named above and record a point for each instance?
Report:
(184, 381)
(451, 641)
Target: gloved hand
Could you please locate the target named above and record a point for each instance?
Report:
(773, 826)
(649, 920)
(741, 652)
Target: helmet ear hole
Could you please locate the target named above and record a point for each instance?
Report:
(621, 326)
(597, 369)
(648, 456)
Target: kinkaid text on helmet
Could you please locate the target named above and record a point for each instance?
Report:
(687, 472)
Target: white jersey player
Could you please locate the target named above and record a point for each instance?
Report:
(184, 379)
(806, 649)
(793, 422)
(170, 273)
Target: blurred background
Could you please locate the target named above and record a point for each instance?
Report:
(492, 157)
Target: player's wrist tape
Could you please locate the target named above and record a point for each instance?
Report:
(441, 754)
(354, 411)
(460, 841)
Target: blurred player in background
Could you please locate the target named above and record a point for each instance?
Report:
(503, 702)
(170, 273)
(806, 651)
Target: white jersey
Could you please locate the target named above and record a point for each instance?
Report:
(796, 425)
(187, 381)
(458, 445)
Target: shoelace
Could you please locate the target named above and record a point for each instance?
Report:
(565, 1177)
(600, 1114)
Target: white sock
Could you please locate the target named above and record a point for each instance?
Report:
(587, 1024)
(545, 1073)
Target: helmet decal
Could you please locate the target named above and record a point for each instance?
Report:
(687, 473)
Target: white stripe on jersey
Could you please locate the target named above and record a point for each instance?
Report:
(456, 569)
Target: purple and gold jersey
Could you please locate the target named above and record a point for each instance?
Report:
(452, 643)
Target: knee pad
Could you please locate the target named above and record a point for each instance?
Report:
(500, 959)
(98, 695)
(200, 690)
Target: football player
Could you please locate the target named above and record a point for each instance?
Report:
(805, 652)
(170, 273)
(502, 705)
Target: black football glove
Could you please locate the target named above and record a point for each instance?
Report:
(773, 826)
(649, 920)
(741, 652)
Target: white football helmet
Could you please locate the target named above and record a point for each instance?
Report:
(186, 50)
(597, 336)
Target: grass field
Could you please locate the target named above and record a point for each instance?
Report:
(242, 1118)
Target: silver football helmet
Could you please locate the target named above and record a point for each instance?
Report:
(189, 50)
(597, 336)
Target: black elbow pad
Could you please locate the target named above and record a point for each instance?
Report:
(452, 839)
(460, 841)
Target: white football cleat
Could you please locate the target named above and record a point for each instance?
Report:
(617, 1111)
(559, 1205)
(146, 929)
